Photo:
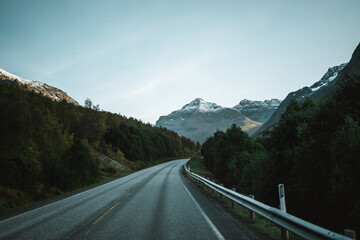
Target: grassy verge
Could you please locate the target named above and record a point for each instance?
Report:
(259, 224)
(197, 166)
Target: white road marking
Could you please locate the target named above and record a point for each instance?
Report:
(207, 219)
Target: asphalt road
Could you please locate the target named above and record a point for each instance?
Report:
(155, 203)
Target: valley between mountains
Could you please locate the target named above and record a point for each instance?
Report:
(51, 145)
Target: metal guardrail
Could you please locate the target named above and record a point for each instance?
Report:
(294, 224)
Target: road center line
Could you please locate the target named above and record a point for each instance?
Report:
(207, 219)
(127, 194)
(110, 209)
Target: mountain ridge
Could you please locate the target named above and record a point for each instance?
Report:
(199, 119)
(318, 92)
(259, 111)
(38, 87)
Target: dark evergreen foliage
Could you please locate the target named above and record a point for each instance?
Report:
(234, 157)
(45, 146)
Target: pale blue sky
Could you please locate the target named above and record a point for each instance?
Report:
(147, 58)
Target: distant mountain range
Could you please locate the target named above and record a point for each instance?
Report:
(38, 87)
(199, 119)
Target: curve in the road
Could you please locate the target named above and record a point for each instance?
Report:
(155, 203)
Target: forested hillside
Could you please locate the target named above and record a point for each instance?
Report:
(49, 147)
(314, 150)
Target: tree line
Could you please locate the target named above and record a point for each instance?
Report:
(314, 150)
(46, 146)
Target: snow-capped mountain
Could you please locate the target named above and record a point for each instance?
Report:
(259, 111)
(199, 119)
(318, 92)
(38, 87)
(197, 105)
(200, 105)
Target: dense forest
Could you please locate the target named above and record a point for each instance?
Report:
(314, 150)
(49, 147)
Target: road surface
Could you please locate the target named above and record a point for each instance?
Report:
(154, 203)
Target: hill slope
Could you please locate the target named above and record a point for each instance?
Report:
(38, 87)
(48, 147)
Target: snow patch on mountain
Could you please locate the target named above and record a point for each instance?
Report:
(13, 77)
(329, 76)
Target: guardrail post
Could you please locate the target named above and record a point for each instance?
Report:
(232, 201)
(284, 232)
(220, 193)
(350, 233)
(252, 213)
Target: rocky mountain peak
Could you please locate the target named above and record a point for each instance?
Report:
(259, 111)
(195, 103)
(202, 106)
(328, 77)
(245, 103)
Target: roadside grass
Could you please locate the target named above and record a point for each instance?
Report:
(260, 224)
(11, 199)
(197, 166)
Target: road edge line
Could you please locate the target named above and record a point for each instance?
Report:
(207, 219)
